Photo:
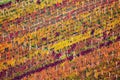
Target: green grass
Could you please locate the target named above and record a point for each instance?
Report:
(5, 1)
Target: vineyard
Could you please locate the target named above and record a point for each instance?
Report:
(60, 40)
